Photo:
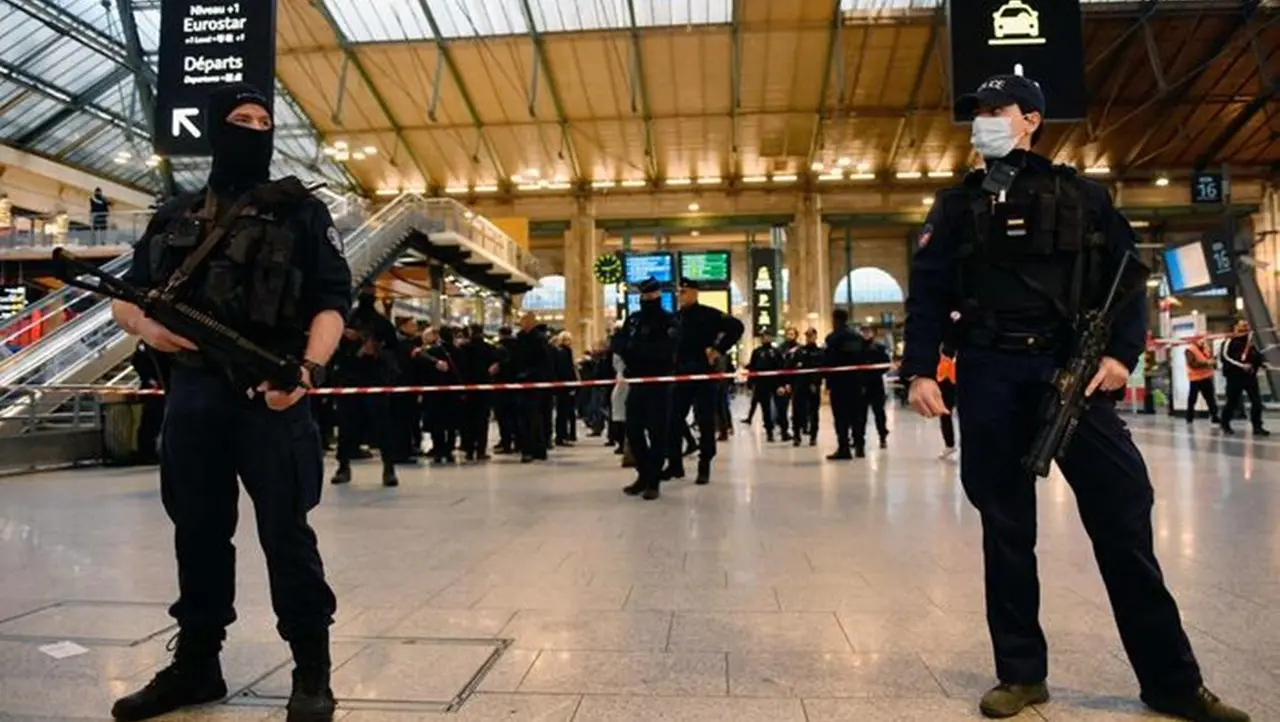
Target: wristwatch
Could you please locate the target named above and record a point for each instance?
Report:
(317, 373)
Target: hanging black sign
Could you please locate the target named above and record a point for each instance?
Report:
(1208, 188)
(206, 44)
(1219, 257)
(1040, 39)
(764, 291)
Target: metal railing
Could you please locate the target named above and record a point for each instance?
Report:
(122, 228)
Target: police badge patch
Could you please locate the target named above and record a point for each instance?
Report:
(335, 239)
(925, 234)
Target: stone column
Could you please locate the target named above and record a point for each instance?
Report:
(1266, 249)
(806, 259)
(580, 244)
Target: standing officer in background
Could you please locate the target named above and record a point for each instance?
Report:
(871, 394)
(277, 276)
(1020, 250)
(806, 389)
(1241, 363)
(531, 363)
(366, 357)
(647, 345)
(845, 348)
(706, 334)
(506, 404)
(763, 388)
(480, 366)
(783, 393)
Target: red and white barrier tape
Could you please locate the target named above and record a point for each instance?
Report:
(353, 390)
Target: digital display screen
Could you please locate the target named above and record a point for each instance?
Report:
(1208, 188)
(1042, 40)
(1187, 268)
(641, 266)
(719, 300)
(710, 266)
(668, 301)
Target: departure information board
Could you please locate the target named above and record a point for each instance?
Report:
(668, 301)
(705, 266)
(639, 267)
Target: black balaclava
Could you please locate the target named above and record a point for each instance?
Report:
(241, 156)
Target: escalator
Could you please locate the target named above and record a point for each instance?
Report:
(90, 348)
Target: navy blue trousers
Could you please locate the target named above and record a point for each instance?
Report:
(1001, 394)
(213, 435)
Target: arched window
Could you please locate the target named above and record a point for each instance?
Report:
(548, 295)
(870, 285)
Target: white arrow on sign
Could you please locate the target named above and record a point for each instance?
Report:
(182, 121)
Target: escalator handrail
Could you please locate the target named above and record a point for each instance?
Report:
(62, 298)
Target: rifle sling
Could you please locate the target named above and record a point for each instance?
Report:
(196, 258)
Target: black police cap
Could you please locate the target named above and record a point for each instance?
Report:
(649, 285)
(686, 282)
(1001, 90)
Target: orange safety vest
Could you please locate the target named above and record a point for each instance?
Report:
(1196, 353)
(947, 369)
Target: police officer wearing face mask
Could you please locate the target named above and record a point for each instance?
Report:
(1019, 249)
(277, 275)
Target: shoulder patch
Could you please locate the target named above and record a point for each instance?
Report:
(925, 234)
(335, 239)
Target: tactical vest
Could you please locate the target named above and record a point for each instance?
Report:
(1036, 257)
(249, 281)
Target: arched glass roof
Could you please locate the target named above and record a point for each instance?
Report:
(548, 295)
(870, 285)
(69, 92)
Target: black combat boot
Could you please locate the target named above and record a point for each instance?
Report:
(636, 488)
(389, 477)
(841, 454)
(311, 699)
(343, 474)
(193, 678)
(1198, 706)
(704, 472)
(795, 440)
(1008, 700)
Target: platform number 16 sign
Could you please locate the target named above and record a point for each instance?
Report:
(1207, 188)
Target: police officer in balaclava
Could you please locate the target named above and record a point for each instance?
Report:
(275, 273)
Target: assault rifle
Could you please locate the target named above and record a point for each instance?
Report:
(1066, 401)
(222, 346)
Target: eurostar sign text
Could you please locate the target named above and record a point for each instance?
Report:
(1040, 39)
(205, 44)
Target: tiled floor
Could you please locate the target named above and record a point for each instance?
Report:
(789, 590)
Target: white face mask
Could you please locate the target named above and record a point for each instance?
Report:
(992, 137)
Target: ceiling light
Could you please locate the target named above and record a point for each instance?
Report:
(817, 166)
(340, 145)
(940, 174)
(927, 200)
(370, 150)
(387, 192)
(708, 181)
(694, 207)
(787, 178)
(358, 155)
(634, 183)
(603, 184)
(1162, 181)
(528, 187)
(831, 177)
(863, 167)
(679, 181)
(844, 162)
(121, 159)
(755, 179)
(416, 189)
(862, 176)
(695, 234)
(559, 186)
(455, 190)
(329, 151)
(532, 172)
(1098, 170)
(908, 174)
(469, 215)
(1139, 224)
(487, 189)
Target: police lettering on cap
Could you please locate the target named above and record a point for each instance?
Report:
(1000, 91)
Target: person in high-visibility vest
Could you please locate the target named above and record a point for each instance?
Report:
(1200, 366)
(947, 381)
